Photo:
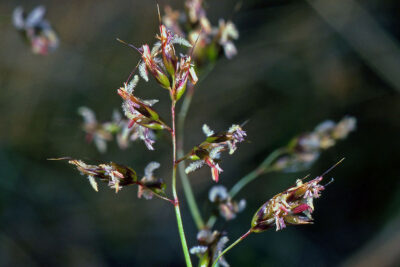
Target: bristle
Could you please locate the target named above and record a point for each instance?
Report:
(127, 44)
(132, 72)
(195, 43)
(334, 166)
(159, 14)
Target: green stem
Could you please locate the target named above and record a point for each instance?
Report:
(231, 246)
(263, 168)
(174, 192)
(187, 188)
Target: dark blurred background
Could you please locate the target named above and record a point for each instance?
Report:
(299, 63)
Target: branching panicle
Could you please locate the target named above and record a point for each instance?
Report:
(172, 71)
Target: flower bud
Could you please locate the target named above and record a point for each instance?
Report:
(149, 184)
(140, 111)
(168, 52)
(184, 72)
(154, 69)
(208, 152)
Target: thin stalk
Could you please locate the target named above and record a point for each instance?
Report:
(231, 246)
(187, 188)
(263, 168)
(174, 192)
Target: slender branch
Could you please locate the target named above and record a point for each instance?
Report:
(263, 168)
(231, 246)
(174, 192)
(187, 188)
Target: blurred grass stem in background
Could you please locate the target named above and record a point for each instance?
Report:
(378, 48)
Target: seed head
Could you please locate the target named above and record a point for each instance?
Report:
(293, 206)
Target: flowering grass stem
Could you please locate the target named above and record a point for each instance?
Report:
(174, 192)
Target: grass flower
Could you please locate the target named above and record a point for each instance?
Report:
(291, 207)
(149, 184)
(37, 30)
(304, 150)
(208, 152)
(139, 111)
(227, 207)
(210, 246)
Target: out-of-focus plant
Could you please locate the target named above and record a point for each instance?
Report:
(125, 133)
(36, 30)
(190, 31)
